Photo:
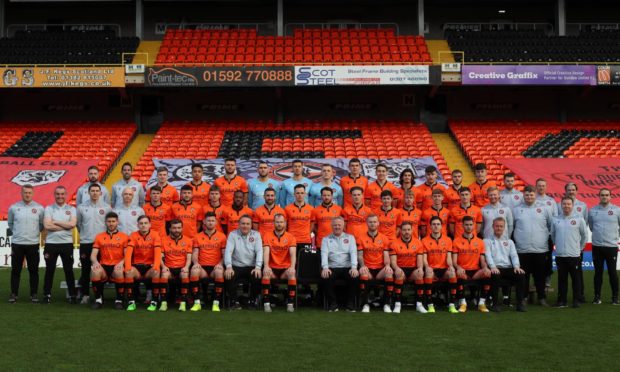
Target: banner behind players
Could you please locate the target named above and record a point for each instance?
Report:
(43, 175)
(590, 175)
(180, 170)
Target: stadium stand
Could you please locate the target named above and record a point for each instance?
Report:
(483, 141)
(65, 141)
(308, 139)
(66, 47)
(529, 46)
(307, 46)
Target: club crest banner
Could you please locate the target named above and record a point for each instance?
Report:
(180, 170)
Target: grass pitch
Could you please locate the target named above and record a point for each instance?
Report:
(71, 337)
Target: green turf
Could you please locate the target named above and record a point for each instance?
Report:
(68, 337)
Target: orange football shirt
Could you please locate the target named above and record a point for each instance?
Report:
(374, 190)
(111, 247)
(210, 247)
(299, 220)
(279, 249)
(190, 214)
(322, 217)
(143, 250)
(406, 252)
(175, 251)
(347, 183)
(159, 216)
(356, 219)
(437, 251)
(228, 188)
(373, 249)
(468, 251)
(264, 217)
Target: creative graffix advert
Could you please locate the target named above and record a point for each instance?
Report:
(529, 75)
(62, 77)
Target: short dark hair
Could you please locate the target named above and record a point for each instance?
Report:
(435, 218)
(197, 165)
(480, 166)
(509, 175)
(381, 165)
(210, 214)
(297, 161)
(467, 219)
(161, 169)
(457, 171)
(354, 160)
(155, 188)
(93, 167)
(94, 185)
(111, 215)
(529, 188)
(386, 193)
(230, 159)
(143, 217)
(430, 169)
(176, 222)
(127, 164)
(464, 189)
(214, 188)
(268, 189)
(186, 188)
(299, 186)
(355, 188)
(327, 189)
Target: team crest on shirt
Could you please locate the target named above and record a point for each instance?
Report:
(68, 213)
(548, 203)
(501, 211)
(34, 211)
(133, 213)
(538, 210)
(573, 222)
(101, 212)
(611, 213)
(516, 197)
(37, 177)
(505, 244)
(251, 239)
(346, 241)
(578, 209)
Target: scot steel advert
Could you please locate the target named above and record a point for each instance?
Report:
(361, 75)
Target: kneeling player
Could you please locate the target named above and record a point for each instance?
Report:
(207, 259)
(176, 261)
(468, 257)
(142, 261)
(374, 260)
(403, 257)
(437, 256)
(110, 246)
(279, 258)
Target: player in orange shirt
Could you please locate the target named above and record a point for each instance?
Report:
(390, 218)
(372, 194)
(374, 261)
(279, 260)
(403, 259)
(323, 215)
(231, 182)
(200, 189)
(353, 179)
(169, 193)
(409, 213)
(356, 214)
(453, 198)
(216, 207)
(158, 212)
(207, 258)
(465, 208)
(480, 187)
(437, 209)
(262, 221)
(177, 258)
(236, 211)
(470, 264)
(142, 261)
(110, 247)
(188, 212)
(437, 256)
(299, 219)
(424, 192)
(407, 184)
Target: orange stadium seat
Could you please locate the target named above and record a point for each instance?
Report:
(309, 46)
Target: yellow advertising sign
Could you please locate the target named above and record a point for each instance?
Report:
(62, 77)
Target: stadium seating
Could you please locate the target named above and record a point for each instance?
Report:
(66, 47)
(307, 139)
(484, 142)
(534, 46)
(104, 141)
(307, 46)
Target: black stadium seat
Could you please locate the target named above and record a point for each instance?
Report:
(66, 47)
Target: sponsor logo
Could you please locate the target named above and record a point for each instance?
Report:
(169, 76)
(37, 177)
(315, 76)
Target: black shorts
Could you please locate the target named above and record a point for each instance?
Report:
(108, 269)
(278, 272)
(439, 273)
(143, 268)
(175, 273)
(408, 271)
(374, 272)
(470, 273)
(208, 269)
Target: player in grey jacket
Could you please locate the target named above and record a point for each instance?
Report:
(90, 222)
(493, 210)
(93, 177)
(604, 221)
(570, 235)
(25, 222)
(531, 236)
(510, 196)
(243, 260)
(339, 261)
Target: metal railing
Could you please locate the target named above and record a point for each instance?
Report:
(13, 28)
(289, 27)
(162, 27)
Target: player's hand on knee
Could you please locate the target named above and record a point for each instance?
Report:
(228, 274)
(354, 273)
(495, 271)
(257, 273)
(96, 266)
(364, 271)
(267, 272)
(519, 270)
(460, 272)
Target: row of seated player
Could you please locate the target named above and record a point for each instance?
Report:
(229, 49)
(330, 139)
(66, 47)
(478, 140)
(535, 46)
